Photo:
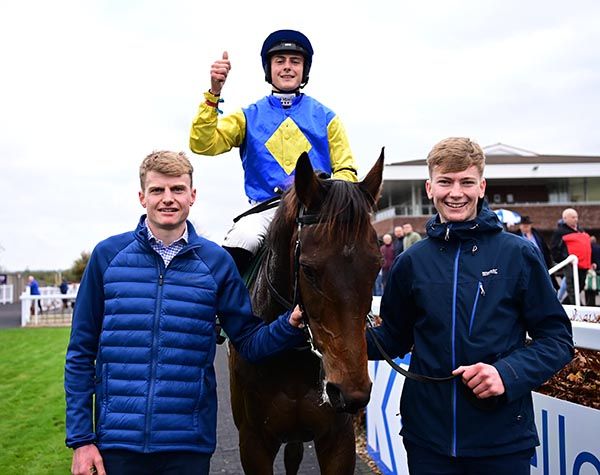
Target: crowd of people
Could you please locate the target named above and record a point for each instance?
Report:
(567, 239)
(392, 245)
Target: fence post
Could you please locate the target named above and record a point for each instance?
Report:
(576, 288)
(25, 308)
(573, 260)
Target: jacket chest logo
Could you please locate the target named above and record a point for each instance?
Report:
(485, 273)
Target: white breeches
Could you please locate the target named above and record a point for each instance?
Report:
(250, 231)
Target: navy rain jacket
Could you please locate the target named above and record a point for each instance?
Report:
(469, 293)
(143, 343)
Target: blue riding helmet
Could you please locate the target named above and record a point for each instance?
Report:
(290, 41)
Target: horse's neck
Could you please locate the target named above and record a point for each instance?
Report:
(277, 269)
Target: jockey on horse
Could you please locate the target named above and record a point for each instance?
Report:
(271, 134)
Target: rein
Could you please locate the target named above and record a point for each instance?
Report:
(265, 205)
(407, 374)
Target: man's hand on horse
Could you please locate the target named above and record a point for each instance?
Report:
(296, 318)
(218, 73)
(483, 379)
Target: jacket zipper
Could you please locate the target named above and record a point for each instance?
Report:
(159, 291)
(479, 292)
(153, 358)
(454, 386)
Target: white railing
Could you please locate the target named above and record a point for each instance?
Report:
(6, 294)
(50, 301)
(573, 260)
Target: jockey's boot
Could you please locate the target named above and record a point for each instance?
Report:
(241, 257)
(221, 335)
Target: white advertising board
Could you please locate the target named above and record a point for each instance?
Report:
(384, 443)
(569, 433)
(569, 436)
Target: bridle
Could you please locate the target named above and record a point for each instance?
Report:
(304, 219)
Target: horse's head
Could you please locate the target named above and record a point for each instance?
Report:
(338, 262)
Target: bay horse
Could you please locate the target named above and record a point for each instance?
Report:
(322, 253)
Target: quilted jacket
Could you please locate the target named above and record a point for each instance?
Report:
(139, 369)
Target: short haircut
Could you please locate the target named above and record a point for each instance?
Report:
(455, 154)
(167, 163)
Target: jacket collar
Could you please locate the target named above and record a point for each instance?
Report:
(142, 235)
(486, 221)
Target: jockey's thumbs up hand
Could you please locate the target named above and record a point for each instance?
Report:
(218, 73)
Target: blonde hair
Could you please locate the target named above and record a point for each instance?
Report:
(455, 154)
(166, 162)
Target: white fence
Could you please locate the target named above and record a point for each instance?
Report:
(568, 432)
(573, 261)
(51, 303)
(6, 294)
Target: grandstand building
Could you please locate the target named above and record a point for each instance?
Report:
(539, 186)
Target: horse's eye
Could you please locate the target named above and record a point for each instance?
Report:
(310, 274)
(308, 271)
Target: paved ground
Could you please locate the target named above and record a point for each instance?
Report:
(10, 315)
(226, 459)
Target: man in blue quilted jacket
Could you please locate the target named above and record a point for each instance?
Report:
(463, 301)
(139, 375)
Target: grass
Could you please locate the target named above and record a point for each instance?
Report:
(32, 403)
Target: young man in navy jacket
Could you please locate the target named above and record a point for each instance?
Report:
(463, 301)
(139, 376)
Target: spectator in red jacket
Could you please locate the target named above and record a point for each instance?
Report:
(568, 239)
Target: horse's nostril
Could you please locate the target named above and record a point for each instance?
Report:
(346, 402)
(336, 399)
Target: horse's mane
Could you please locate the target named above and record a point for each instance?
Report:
(344, 214)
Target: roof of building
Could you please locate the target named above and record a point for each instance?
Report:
(499, 153)
(506, 161)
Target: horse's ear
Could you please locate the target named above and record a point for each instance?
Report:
(305, 181)
(372, 183)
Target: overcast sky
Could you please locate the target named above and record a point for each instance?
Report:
(87, 89)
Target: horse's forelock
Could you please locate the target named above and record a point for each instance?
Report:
(344, 213)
